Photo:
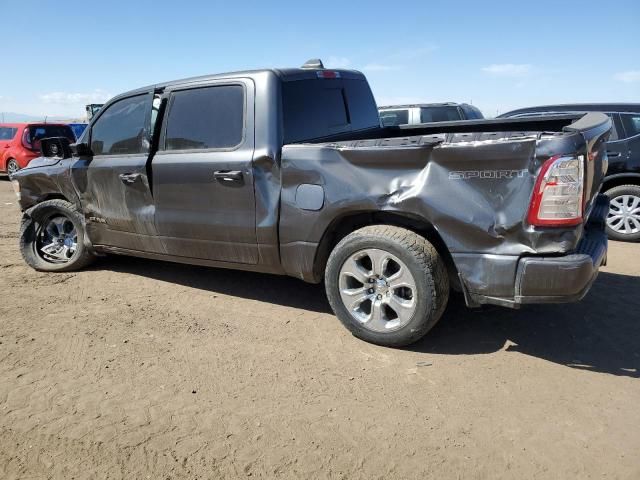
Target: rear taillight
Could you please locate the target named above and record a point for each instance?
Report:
(557, 195)
(26, 140)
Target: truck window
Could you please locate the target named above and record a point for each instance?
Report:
(314, 109)
(439, 114)
(631, 123)
(471, 112)
(204, 118)
(120, 129)
(393, 118)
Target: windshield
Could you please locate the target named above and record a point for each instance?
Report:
(313, 109)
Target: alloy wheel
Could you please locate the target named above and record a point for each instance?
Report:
(378, 290)
(57, 239)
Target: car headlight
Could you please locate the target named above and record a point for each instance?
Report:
(16, 187)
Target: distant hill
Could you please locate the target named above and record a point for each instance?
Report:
(11, 117)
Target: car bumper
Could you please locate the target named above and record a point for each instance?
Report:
(556, 279)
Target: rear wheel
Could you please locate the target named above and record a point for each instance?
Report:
(12, 166)
(387, 285)
(52, 238)
(623, 221)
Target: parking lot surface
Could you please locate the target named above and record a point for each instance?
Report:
(143, 369)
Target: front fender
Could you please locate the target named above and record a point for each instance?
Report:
(45, 179)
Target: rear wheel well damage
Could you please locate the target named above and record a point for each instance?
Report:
(343, 226)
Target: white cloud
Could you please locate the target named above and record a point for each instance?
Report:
(66, 98)
(508, 69)
(628, 77)
(338, 62)
(379, 67)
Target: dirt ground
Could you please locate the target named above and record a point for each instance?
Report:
(143, 369)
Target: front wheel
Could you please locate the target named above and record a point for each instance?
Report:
(52, 238)
(623, 221)
(387, 285)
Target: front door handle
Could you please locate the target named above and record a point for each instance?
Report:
(228, 175)
(614, 154)
(129, 178)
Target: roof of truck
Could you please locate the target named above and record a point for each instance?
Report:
(418, 105)
(426, 105)
(286, 74)
(578, 107)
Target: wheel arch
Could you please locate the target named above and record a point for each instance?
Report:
(619, 179)
(342, 226)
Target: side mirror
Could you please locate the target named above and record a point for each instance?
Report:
(81, 150)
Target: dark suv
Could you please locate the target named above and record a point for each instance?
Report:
(394, 115)
(622, 183)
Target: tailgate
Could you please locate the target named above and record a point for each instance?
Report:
(594, 128)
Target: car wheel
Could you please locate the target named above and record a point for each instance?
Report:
(12, 166)
(387, 285)
(52, 238)
(623, 221)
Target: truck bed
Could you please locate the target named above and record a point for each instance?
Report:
(471, 180)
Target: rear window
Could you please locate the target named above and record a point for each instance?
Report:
(7, 133)
(203, 118)
(439, 114)
(38, 132)
(313, 109)
(393, 118)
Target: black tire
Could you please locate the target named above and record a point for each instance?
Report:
(616, 192)
(12, 166)
(422, 260)
(32, 224)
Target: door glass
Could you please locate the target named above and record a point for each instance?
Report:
(631, 123)
(7, 133)
(393, 118)
(120, 130)
(439, 114)
(206, 118)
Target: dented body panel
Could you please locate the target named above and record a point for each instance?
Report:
(467, 186)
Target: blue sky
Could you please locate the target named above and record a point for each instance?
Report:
(498, 55)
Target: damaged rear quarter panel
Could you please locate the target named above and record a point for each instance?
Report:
(475, 194)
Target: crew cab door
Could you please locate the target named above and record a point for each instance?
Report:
(202, 173)
(112, 178)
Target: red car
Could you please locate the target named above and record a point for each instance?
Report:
(20, 142)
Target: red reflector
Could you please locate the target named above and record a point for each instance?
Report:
(328, 74)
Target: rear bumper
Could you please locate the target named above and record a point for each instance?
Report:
(557, 279)
(561, 279)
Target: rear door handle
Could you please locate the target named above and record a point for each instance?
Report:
(129, 178)
(228, 175)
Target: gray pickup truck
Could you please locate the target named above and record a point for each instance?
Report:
(288, 171)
